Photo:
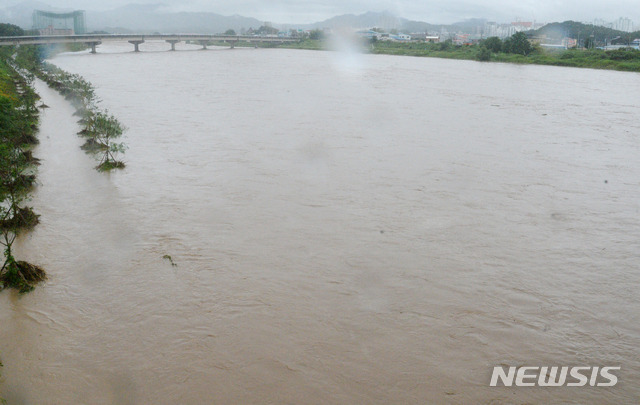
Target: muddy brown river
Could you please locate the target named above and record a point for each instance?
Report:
(347, 229)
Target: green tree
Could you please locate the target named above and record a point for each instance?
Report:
(316, 34)
(18, 120)
(484, 54)
(14, 184)
(518, 43)
(589, 43)
(10, 30)
(494, 44)
(230, 32)
(106, 130)
(446, 45)
(267, 30)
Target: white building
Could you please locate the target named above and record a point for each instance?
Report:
(402, 37)
(623, 24)
(493, 29)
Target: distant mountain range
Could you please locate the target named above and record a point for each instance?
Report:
(20, 14)
(154, 18)
(138, 18)
(384, 20)
(388, 21)
(150, 18)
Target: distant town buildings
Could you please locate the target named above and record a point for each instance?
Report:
(369, 34)
(462, 39)
(51, 30)
(400, 37)
(423, 36)
(493, 29)
(621, 24)
(570, 42)
(473, 34)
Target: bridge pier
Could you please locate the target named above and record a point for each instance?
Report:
(136, 44)
(173, 43)
(203, 43)
(93, 45)
(233, 44)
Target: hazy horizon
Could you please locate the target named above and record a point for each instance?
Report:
(435, 12)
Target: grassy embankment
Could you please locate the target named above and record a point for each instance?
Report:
(303, 44)
(623, 59)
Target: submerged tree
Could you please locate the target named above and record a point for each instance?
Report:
(20, 275)
(106, 130)
(15, 179)
(15, 182)
(100, 128)
(13, 218)
(14, 185)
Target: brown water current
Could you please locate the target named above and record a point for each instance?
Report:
(347, 229)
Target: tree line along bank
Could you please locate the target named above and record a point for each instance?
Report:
(19, 120)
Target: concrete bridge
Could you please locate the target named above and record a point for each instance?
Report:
(93, 40)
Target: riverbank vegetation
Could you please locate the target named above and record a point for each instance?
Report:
(515, 49)
(309, 44)
(100, 128)
(19, 123)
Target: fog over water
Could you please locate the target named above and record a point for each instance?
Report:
(346, 228)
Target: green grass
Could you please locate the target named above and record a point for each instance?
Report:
(303, 44)
(594, 59)
(309, 44)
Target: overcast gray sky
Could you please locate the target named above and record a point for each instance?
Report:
(434, 11)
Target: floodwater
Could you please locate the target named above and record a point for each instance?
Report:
(347, 229)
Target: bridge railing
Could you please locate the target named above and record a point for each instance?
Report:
(47, 39)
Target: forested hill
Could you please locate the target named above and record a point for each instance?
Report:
(577, 30)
